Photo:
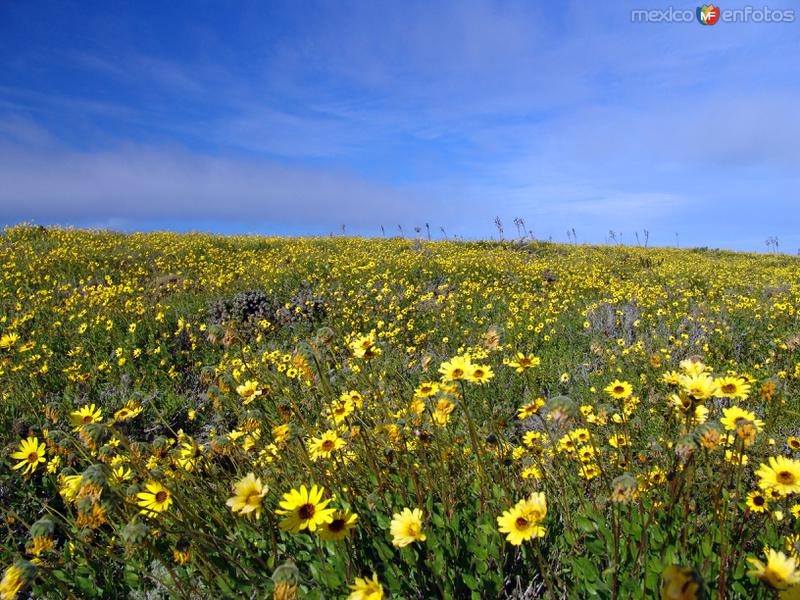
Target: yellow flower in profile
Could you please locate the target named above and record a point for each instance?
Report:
(780, 572)
(732, 387)
(734, 414)
(339, 528)
(480, 374)
(364, 346)
(781, 474)
(365, 588)
(8, 340)
(426, 389)
(522, 363)
(619, 390)
(692, 367)
(249, 391)
(127, 412)
(457, 368)
(12, 582)
(30, 454)
(155, 499)
(522, 521)
(736, 458)
(441, 415)
(681, 583)
(304, 509)
(326, 445)
(281, 433)
(69, 485)
(89, 413)
(531, 408)
(406, 528)
(121, 473)
(248, 494)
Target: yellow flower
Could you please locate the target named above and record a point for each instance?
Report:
(780, 572)
(340, 409)
(69, 485)
(85, 415)
(522, 363)
(248, 494)
(757, 501)
(526, 410)
(249, 391)
(732, 387)
(734, 414)
(121, 473)
(480, 374)
(339, 528)
(364, 346)
(155, 499)
(700, 386)
(365, 588)
(588, 471)
(681, 583)
(127, 412)
(406, 528)
(781, 474)
(8, 340)
(30, 454)
(457, 368)
(618, 440)
(619, 390)
(692, 367)
(522, 521)
(426, 389)
(12, 582)
(304, 509)
(444, 408)
(326, 445)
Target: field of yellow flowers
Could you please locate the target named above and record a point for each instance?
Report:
(195, 416)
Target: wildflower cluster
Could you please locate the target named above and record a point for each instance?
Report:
(203, 416)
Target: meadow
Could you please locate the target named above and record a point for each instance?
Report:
(195, 416)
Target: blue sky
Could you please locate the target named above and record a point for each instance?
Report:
(301, 117)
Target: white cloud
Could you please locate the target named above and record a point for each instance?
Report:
(144, 183)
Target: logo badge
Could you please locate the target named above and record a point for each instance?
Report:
(708, 14)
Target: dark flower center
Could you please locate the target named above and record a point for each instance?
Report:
(336, 525)
(161, 496)
(785, 477)
(306, 511)
(521, 523)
